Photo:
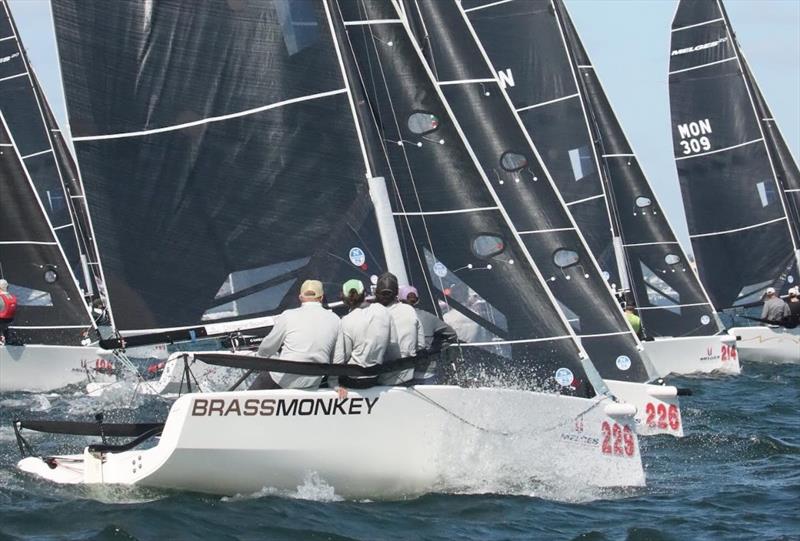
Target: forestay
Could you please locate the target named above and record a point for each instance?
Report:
(219, 156)
(735, 206)
(553, 85)
(50, 309)
(525, 193)
(457, 236)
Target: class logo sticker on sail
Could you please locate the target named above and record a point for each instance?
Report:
(695, 48)
(564, 377)
(357, 256)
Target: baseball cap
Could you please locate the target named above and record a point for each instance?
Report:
(387, 282)
(770, 291)
(311, 289)
(405, 291)
(356, 284)
(794, 291)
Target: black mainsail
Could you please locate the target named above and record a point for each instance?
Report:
(219, 156)
(734, 173)
(457, 235)
(42, 147)
(563, 106)
(50, 307)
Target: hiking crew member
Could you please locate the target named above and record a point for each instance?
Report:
(408, 337)
(305, 334)
(794, 306)
(437, 334)
(633, 319)
(364, 337)
(8, 308)
(775, 309)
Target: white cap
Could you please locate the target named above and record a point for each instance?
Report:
(794, 291)
(770, 291)
(3, 284)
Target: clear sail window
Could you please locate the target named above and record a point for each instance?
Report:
(643, 202)
(488, 245)
(243, 279)
(565, 258)
(30, 297)
(298, 23)
(659, 292)
(581, 160)
(513, 161)
(261, 301)
(766, 193)
(421, 123)
(672, 259)
(50, 274)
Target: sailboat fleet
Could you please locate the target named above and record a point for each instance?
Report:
(225, 152)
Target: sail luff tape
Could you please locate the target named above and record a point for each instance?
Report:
(387, 229)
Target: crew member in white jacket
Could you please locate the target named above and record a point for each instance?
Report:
(305, 334)
(410, 336)
(364, 337)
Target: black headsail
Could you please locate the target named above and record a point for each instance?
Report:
(219, 156)
(564, 108)
(458, 239)
(50, 307)
(513, 169)
(734, 203)
(40, 143)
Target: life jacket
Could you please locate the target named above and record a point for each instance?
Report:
(8, 305)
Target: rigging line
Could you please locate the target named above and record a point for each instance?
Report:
(548, 102)
(62, 227)
(668, 307)
(37, 242)
(13, 76)
(212, 119)
(431, 401)
(491, 4)
(420, 258)
(718, 150)
(37, 153)
(12, 36)
(703, 65)
(696, 25)
(511, 342)
(727, 231)
(427, 37)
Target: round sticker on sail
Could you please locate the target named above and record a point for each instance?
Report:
(705, 320)
(564, 377)
(623, 362)
(357, 256)
(439, 269)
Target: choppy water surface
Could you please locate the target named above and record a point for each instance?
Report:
(736, 475)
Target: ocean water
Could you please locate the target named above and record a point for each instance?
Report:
(736, 475)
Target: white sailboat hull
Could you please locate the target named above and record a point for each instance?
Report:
(379, 443)
(40, 368)
(693, 355)
(657, 406)
(768, 344)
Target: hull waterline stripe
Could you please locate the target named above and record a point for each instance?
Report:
(650, 243)
(673, 306)
(696, 25)
(703, 65)
(465, 81)
(37, 242)
(212, 119)
(548, 102)
(534, 231)
(491, 4)
(14, 76)
(738, 229)
(719, 150)
(372, 21)
(438, 212)
(37, 153)
(579, 201)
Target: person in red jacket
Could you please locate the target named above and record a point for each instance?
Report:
(8, 307)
